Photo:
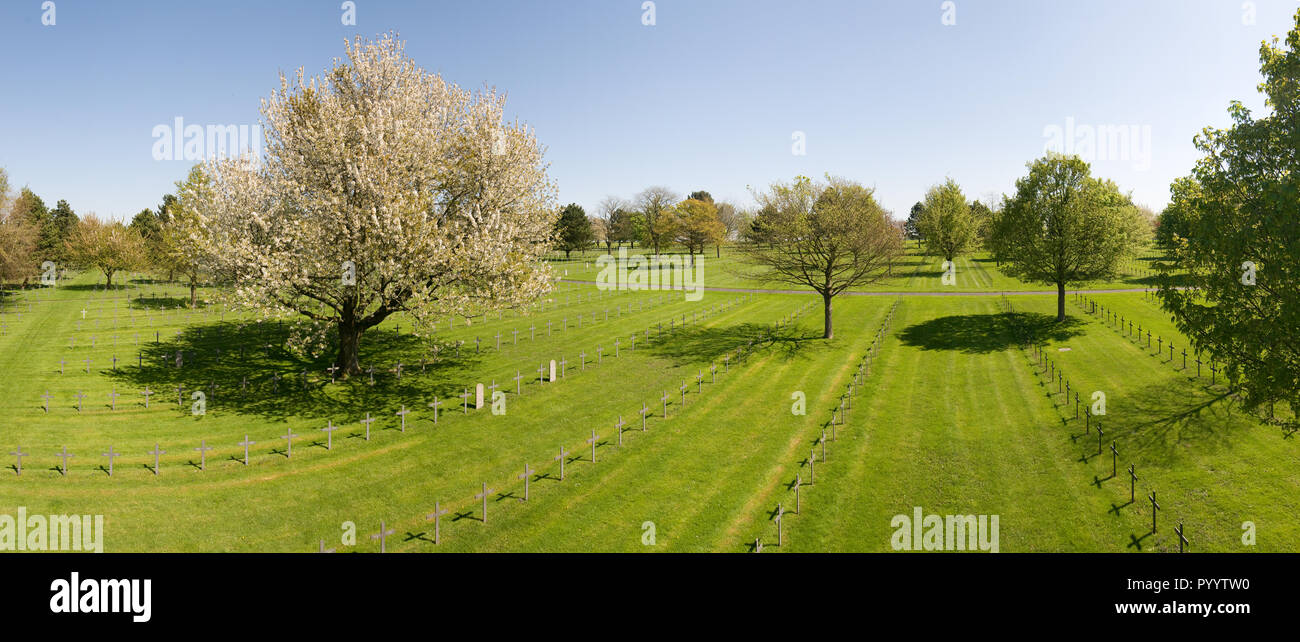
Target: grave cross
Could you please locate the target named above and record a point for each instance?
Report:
(1114, 459)
(541, 374)
(644, 410)
(436, 516)
(1154, 507)
(64, 456)
(1132, 484)
(518, 386)
(246, 443)
(403, 413)
(288, 437)
(664, 400)
(382, 536)
(79, 397)
(435, 405)
(367, 421)
(111, 456)
(112, 399)
(592, 441)
(563, 362)
(583, 356)
(798, 481)
(19, 454)
(619, 427)
(88, 362)
(1100, 432)
(560, 458)
(329, 434)
(812, 466)
(47, 397)
(780, 512)
(464, 398)
(484, 496)
(524, 476)
(1181, 540)
(203, 454)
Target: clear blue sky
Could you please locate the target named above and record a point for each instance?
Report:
(707, 98)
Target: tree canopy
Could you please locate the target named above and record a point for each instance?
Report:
(828, 236)
(384, 190)
(1232, 227)
(1065, 227)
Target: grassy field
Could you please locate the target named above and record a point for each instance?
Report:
(916, 272)
(954, 417)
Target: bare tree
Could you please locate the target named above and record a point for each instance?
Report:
(825, 236)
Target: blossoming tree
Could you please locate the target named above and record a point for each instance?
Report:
(384, 190)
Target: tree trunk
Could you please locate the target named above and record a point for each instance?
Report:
(108, 279)
(348, 361)
(829, 333)
(194, 298)
(719, 251)
(1060, 302)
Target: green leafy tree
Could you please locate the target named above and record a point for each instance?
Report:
(700, 195)
(946, 221)
(1174, 225)
(109, 246)
(655, 209)
(56, 229)
(825, 236)
(983, 216)
(1064, 227)
(912, 227)
(1241, 248)
(573, 230)
(698, 224)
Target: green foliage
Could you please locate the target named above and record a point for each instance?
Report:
(573, 229)
(698, 224)
(946, 222)
(1064, 227)
(828, 237)
(1242, 243)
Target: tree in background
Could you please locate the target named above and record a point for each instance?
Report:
(1174, 225)
(17, 235)
(612, 212)
(1064, 227)
(573, 229)
(435, 205)
(179, 240)
(56, 229)
(108, 246)
(825, 236)
(911, 228)
(1241, 246)
(735, 220)
(700, 195)
(654, 209)
(697, 224)
(982, 214)
(946, 222)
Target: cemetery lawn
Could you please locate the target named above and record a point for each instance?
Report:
(954, 418)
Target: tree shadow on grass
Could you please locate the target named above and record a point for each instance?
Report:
(985, 333)
(695, 344)
(266, 380)
(1159, 423)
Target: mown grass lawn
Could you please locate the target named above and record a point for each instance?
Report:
(955, 417)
